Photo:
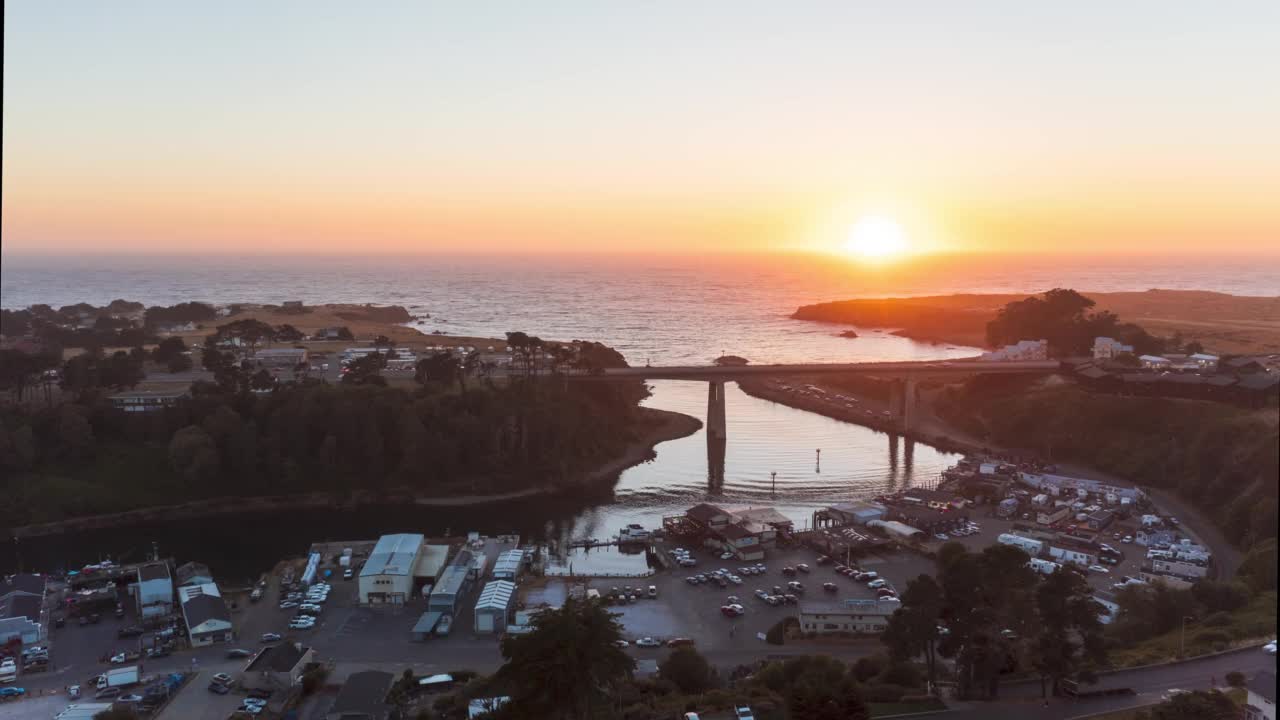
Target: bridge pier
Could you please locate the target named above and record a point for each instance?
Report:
(715, 410)
(902, 402)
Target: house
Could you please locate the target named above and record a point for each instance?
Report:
(155, 590)
(294, 306)
(494, 606)
(1071, 555)
(1244, 365)
(21, 606)
(1049, 517)
(332, 333)
(708, 517)
(1260, 696)
(846, 616)
(363, 697)
(1155, 362)
(1101, 519)
(193, 573)
(1022, 350)
(278, 667)
(1105, 348)
(147, 400)
(387, 576)
(1259, 390)
(206, 615)
(1186, 570)
(1204, 361)
(170, 328)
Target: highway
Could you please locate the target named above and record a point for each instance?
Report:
(915, 369)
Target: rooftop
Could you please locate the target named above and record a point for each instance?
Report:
(25, 583)
(704, 512)
(451, 580)
(27, 606)
(364, 694)
(393, 555)
(279, 658)
(153, 571)
(496, 595)
(848, 607)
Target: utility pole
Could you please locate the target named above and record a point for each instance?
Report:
(774, 475)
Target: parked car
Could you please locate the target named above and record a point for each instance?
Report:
(105, 693)
(648, 642)
(222, 678)
(12, 692)
(802, 568)
(679, 642)
(743, 713)
(1099, 569)
(876, 584)
(621, 643)
(830, 587)
(238, 653)
(1269, 648)
(789, 571)
(941, 536)
(270, 637)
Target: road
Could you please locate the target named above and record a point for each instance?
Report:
(1022, 700)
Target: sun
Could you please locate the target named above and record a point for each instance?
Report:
(876, 237)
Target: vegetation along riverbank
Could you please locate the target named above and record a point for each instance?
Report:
(439, 438)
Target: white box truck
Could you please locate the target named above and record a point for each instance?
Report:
(119, 677)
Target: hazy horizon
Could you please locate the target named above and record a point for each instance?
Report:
(717, 128)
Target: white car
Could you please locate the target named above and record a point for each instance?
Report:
(648, 642)
(743, 713)
(1269, 648)
(1100, 569)
(876, 584)
(942, 536)
(621, 644)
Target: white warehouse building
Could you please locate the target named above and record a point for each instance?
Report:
(387, 576)
(155, 590)
(494, 606)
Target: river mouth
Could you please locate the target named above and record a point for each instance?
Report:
(763, 438)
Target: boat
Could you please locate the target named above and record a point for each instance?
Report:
(634, 533)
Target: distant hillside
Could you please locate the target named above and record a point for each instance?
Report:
(1223, 323)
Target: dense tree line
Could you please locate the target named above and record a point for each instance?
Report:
(992, 614)
(86, 457)
(1064, 318)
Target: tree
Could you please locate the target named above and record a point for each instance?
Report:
(1070, 631)
(168, 349)
(913, 629)
(289, 333)
(1235, 678)
(688, 670)
(817, 700)
(249, 331)
(366, 370)
(439, 368)
(179, 363)
(569, 663)
(194, 454)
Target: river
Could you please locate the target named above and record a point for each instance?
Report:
(763, 438)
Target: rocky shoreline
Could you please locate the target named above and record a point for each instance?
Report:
(660, 426)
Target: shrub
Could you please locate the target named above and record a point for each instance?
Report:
(1219, 619)
(865, 668)
(901, 673)
(1212, 636)
(777, 634)
(1235, 678)
(689, 671)
(884, 693)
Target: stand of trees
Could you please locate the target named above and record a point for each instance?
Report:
(86, 457)
(1063, 317)
(992, 614)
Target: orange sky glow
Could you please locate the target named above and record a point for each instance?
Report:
(156, 128)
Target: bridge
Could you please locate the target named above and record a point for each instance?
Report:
(904, 374)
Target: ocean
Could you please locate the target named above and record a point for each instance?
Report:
(660, 309)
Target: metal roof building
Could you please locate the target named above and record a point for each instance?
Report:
(508, 564)
(387, 576)
(494, 605)
(451, 585)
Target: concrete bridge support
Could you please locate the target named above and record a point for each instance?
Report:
(715, 410)
(902, 402)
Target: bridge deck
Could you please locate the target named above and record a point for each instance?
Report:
(919, 369)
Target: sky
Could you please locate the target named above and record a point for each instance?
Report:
(393, 127)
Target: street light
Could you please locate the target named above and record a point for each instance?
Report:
(1182, 636)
